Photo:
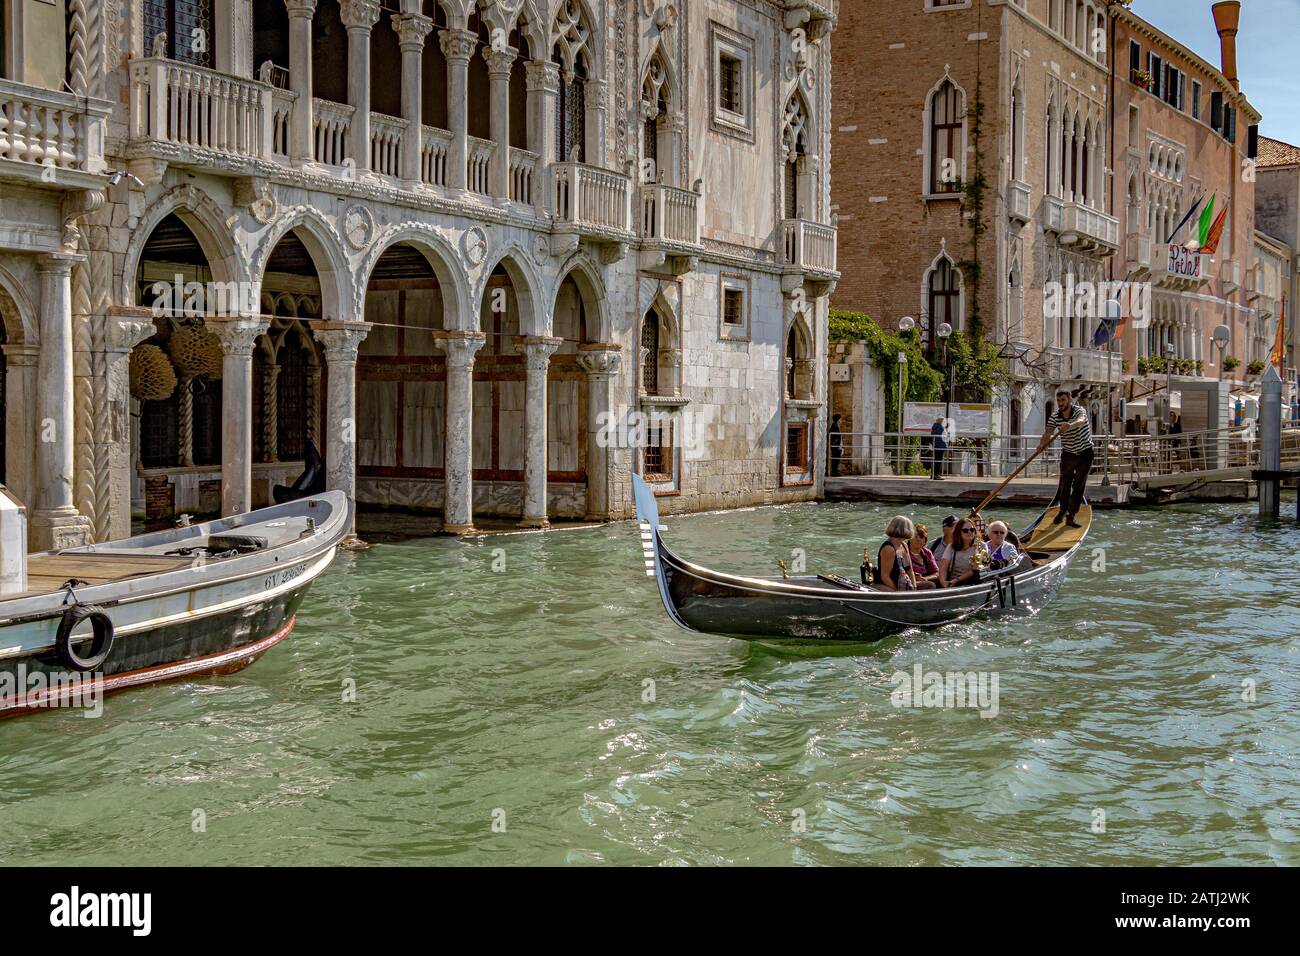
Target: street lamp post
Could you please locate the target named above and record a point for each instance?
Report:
(902, 366)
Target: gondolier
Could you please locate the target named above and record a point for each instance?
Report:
(1070, 421)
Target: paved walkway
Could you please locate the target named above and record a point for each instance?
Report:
(1036, 491)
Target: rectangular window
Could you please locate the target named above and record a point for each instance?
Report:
(1157, 71)
(1196, 100)
(733, 307)
(658, 458)
(1134, 56)
(730, 96)
(796, 447)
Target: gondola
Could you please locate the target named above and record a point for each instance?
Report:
(200, 599)
(829, 608)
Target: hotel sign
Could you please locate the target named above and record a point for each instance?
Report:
(1186, 265)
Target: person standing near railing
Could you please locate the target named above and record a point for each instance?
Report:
(938, 445)
(836, 442)
(1070, 421)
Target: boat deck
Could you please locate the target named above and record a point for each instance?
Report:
(47, 573)
(1060, 537)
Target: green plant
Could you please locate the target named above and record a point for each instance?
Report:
(1144, 366)
(921, 382)
(1256, 367)
(1198, 366)
(1231, 363)
(1124, 366)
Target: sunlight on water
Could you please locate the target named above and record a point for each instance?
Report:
(555, 699)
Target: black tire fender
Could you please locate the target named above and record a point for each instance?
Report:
(99, 648)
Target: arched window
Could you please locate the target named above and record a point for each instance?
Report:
(947, 106)
(654, 107)
(943, 303)
(571, 51)
(794, 144)
(650, 353)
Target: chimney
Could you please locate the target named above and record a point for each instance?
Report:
(1227, 14)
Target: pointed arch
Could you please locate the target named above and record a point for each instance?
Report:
(943, 298)
(944, 138)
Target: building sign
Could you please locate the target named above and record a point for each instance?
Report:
(967, 419)
(1184, 263)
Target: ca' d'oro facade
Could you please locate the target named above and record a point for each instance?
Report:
(478, 233)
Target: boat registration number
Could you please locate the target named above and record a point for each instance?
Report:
(283, 576)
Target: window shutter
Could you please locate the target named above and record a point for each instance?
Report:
(1216, 111)
(1252, 142)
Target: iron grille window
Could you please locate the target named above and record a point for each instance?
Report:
(651, 150)
(188, 25)
(733, 307)
(292, 402)
(792, 190)
(730, 92)
(658, 455)
(160, 432)
(207, 423)
(650, 354)
(571, 120)
(792, 353)
(796, 447)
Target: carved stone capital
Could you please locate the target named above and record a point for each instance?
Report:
(300, 8)
(461, 347)
(458, 44)
(340, 339)
(600, 358)
(412, 29)
(359, 14)
(237, 333)
(500, 62)
(542, 75)
(126, 327)
(55, 264)
(538, 350)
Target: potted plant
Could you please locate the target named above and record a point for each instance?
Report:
(1198, 366)
(1144, 366)
(1231, 363)
(1256, 367)
(1140, 78)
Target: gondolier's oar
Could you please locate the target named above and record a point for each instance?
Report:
(1025, 464)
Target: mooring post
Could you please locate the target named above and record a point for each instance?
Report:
(1270, 443)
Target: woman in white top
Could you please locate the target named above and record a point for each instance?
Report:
(958, 565)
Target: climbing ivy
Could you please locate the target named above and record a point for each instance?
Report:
(972, 207)
(921, 381)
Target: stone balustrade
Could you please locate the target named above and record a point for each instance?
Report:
(809, 246)
(592, 198)
(198, 108)
(670, 214)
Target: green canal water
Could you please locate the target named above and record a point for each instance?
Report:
(503, 716)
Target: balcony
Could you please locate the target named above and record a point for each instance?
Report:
(1138, 253)
(192, 116)
(1082, 365)
(1173, 267)
(1018, 198)
(1230, 273)
(1088, 229)
(669, 227)
(810, 248)
(49, 138)
(591, 201)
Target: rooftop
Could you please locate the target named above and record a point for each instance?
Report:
(1274, 152)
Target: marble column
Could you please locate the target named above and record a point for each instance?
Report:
(595, 122)
(341, 341)
(360, 17)
(300, 14)
(457, 47)
(601, 363)
(458, 482)
(55, 522)
(537, 356)
(543, 100)
(412, 30)
(238, 335)
(22, 360)
(499, 65)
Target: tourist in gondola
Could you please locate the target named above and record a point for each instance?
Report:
(894, 559)
(925, 569)
(941, 547)
(958, 565)
(1001, 550)
(1070, 420)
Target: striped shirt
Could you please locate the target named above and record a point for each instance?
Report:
(1078, 440)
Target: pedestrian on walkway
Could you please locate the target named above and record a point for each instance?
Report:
(836, 442)
(937, 448)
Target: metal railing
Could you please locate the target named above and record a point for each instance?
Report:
(1128, 458)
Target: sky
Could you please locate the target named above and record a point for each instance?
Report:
(1268, 52)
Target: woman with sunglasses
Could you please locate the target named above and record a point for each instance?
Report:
(958, 565)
